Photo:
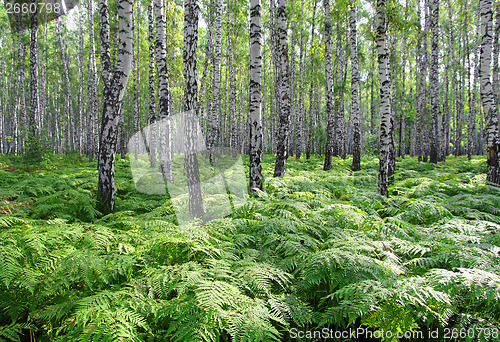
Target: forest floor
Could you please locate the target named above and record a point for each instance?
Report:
(316, 255)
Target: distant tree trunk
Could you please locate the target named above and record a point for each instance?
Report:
(135, 57)
(284, 91)
(3, 99)
(232, 91)
(93, 126)
(471, 124)
(434, 83)
(293, 85)
(300, 131)
(34, 110)
(356, 146)
(68, 98)
(491, 113)
(330, 115)
(79, 134)
(112, 100)
(402, 120)
(310, 128)
(164, 117)
(453, 84)
(255, 114)
(394, 91)
(385, 104)
(276, 68)
(151, 88)
(339, 123)
(214, 132)
(373, 110)
(421, 109)
(21, 97)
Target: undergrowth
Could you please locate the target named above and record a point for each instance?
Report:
(313, 250)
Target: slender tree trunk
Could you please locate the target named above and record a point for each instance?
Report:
(92, 86)
(330, 115)
(153, 131)
(21, 74)
(68, 98)
(310, 128)
(214, 133)
(284, 91)
(191, 10)
(135, 57)
(394, 90)
(385, 104)
(33, 147)
(356, 147)
(293, 85)
(434, 83)
(339, 122)
(491, 113)
(164, 117)
(232, 91)
(421, 109)
(496, 52)
(112, 100)
(255, 97)
(300, 131)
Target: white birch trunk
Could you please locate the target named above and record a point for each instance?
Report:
(491, 113)
(356, 147)
(255, 104)
(385, 104)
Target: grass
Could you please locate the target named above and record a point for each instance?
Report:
(313, 250)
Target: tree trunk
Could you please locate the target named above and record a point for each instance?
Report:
(299, 130)
(385, 104)
(112, 100)
(491, 113)
(152, 130)
(434, 83)
(284, 91)
(33, 148)
(164, 117)
(330, 115)
(93, 127)
(310, 128)
(255, 114)
(214, 132)
(135, 57)
(68, 98)
(191, 10)
(356, 146)
(421, 109)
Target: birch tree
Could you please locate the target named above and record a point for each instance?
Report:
(151, 88)
(33, 148)
(491, 113)
(434, 83)
(214, 132)
(329, 88)
(165, 140)
(113, 91)
(284, 91)
(356, 146)
(92, 87)
(255, 104)
(385, 104)
(191, 11)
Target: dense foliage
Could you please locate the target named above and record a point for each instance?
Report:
(315, 249)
